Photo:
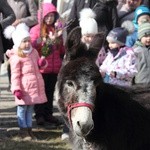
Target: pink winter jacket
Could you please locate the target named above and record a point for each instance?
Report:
(25, 76)
(55, 59)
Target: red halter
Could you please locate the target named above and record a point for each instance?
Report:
(75, 105)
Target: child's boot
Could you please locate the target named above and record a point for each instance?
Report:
(31, 134)
(24, 134)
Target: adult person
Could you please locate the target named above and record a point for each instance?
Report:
(106, 13)
(25, 12)
(122, 2)
(64, 8)
(6, 11)
(126, 11)
(54, 2)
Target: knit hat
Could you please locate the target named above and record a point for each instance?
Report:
(141, 10)
(17, 33)
(119, 34)
(144, 29)
(87, 22)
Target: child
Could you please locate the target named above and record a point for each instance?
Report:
(141, 49)
(142, 14)
(88, 24)
(119, 66)
(27, 82)
(47, 38)
(89, 29)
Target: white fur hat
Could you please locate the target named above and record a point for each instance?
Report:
(17, 33)
(87, 22)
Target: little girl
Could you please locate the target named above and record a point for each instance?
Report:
(119, 66)
(47, 38)
(27, 82)
(89, 30)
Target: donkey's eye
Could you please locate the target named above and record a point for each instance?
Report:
(69, 83)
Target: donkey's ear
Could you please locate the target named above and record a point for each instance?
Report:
(73, 38)
(97, 41)
(95, 46)
(74, 47)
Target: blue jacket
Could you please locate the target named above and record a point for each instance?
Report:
(131, 39)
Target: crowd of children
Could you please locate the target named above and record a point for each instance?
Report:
(36, 58)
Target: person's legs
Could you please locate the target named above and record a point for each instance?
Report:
(29, 116)
(65, 134)
(9, 76)
(39, 113)
(29, 121)
(21, 112)
(50, 81)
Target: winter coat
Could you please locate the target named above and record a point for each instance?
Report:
(106, 13)
(123, 64)
(143, 63)
(64, 8)
(131, 39)
(55, 58)
(26, 10)
(6, 11)
(76, 8)
(101, 57)
(25, 76)
(125, 13)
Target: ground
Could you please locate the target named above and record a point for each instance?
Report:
(49, 137)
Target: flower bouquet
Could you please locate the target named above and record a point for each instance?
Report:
(52, 39)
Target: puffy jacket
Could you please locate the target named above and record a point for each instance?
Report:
(25, 76)
(55, 58)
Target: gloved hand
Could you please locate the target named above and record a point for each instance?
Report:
(42, 62)
(18, 94)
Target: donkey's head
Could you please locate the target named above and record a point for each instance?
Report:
(75, 89)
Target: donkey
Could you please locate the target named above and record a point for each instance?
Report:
(100, 116)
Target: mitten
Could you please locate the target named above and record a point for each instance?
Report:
(42, 62)
(18, 94)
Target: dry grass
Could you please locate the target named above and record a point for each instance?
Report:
(48, 139)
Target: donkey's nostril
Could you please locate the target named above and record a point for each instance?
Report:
(84, 128)
(78, 123)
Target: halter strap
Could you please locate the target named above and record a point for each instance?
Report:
(75, 105)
